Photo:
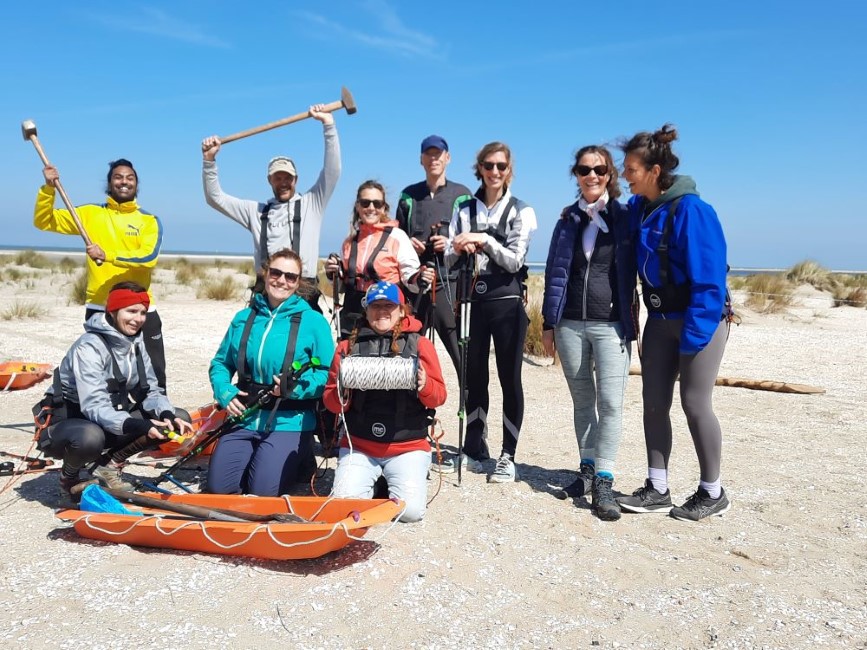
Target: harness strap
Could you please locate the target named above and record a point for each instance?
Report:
(662, 249)
(499, 233)
(369, 270)
(286, 370)
(117, 384)
(294, 229)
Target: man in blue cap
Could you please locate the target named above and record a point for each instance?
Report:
(424, 212)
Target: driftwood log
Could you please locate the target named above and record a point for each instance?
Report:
(760, 384)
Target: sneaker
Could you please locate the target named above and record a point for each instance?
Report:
(646, 499)
(111, 477)
(700, 505)
(604, 504)
(504, 472)
(450, 465)
(71, 489)
(580, 486)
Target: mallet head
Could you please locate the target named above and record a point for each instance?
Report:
(345, 98)
(28, 129)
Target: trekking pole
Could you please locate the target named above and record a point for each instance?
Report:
(423, 287)
(464, 292)
(335, 295)
(263, 397)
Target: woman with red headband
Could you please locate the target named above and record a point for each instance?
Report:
(105, 396)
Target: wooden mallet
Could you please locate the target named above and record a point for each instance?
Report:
(28, 130)
(346, 101)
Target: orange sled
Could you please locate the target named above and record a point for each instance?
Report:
(331, 524)
(205, 419)
(18, 375)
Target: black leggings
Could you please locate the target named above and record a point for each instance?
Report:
(152, 333)
(504, 321)
(660, 363)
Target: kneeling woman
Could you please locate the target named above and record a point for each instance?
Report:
(386, 430)
(279, 331)
(105, 395)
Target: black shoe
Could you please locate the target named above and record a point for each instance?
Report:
(580, 486)
(646, 499)
(700, 505)
(604, 504)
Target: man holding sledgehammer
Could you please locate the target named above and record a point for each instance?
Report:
(288, 220)
(125, 245)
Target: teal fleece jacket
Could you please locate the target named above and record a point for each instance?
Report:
(266, 349)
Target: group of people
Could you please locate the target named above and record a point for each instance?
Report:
(402, 279)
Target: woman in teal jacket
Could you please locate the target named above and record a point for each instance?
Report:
(278, 347)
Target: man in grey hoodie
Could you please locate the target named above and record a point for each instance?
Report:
(289, 219)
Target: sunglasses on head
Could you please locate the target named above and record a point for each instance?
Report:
(366, 203)
(275, 274)
(499, 165)
(584, 170)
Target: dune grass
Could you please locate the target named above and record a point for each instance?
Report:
(813, 273)
(78, 290)
(32, 259)
(20, 310)
(768, 293)
(218, 288)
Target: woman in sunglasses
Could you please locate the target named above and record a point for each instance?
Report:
(682, 265)
(488, 240)
(280, 350)
(587, 318)
(376, 249)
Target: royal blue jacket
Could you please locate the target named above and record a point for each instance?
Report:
(697, 256)
(566, 236)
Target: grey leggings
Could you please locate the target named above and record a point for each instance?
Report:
(660, 363)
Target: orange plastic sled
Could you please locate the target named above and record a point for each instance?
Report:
(333, 523)
(18, 375)
(205, 419)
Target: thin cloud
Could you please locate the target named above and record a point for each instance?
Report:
(390, 34)
(156, 22)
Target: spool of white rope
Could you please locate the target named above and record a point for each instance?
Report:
(379, 373)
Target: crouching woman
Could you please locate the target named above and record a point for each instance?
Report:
(105, 396)
(275, 346)
(385, 419)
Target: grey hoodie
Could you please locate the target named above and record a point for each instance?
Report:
(86, 368)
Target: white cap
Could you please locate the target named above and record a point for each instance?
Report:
(281, 164)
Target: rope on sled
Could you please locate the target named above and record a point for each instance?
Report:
(379, 373)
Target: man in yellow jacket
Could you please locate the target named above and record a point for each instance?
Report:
(126, 243)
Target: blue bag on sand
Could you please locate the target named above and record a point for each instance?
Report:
(95, 499)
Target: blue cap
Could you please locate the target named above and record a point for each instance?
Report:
(383, 290)
(436, 141)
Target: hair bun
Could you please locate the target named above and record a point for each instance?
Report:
(666, 135)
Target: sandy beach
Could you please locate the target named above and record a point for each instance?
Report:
(491, 566)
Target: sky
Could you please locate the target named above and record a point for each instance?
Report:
(768, 98)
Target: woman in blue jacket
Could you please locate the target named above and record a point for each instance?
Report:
(588, 318)
(277, 332)
(682, 267)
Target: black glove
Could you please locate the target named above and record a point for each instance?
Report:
(136, 426)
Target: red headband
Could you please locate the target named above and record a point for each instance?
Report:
(120, 298)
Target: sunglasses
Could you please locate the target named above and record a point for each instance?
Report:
(291, 278)
(366, 203)
(499, 165)
(584, 170)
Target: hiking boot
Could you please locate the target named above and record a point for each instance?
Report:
(647, 500)
(450, 465)
(580, 486)
(111, 477)
(505, 471)
(71, 489)
(604, 504)
(700, 505)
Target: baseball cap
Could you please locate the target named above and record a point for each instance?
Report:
(383, 290)
(436, 141)
(282, 164)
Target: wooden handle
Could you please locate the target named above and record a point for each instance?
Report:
(327, 108)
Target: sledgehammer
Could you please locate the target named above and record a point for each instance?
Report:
(28, 130)
(346, 101)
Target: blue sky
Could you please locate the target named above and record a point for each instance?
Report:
(769, 99)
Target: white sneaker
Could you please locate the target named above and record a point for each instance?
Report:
(504, 472)
(450, 465)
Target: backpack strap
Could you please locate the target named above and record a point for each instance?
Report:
(369, 270)
(263, 232)
(662, 249)
(295, 236)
